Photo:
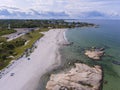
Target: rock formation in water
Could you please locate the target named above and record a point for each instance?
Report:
(116, 62)
(94, 53)
(81, 77)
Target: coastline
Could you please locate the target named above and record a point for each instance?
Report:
(27, 72)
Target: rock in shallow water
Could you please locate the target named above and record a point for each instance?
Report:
(116, 62)
(94, 53)
(82, 77)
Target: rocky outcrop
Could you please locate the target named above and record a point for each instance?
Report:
(116, 62)
(81, 77)
(94, 53)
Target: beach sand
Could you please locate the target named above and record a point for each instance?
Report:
(26, 74)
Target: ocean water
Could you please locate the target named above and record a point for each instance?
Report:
(107, 35)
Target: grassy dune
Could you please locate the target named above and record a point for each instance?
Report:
(31, 38)
(17, 47)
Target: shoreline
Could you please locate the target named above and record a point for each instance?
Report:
(28, 71)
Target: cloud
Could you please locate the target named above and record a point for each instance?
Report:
(93, 14)
(11, 13)
(5, 12)
(61, 8)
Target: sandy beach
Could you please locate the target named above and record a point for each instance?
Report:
(26, 73)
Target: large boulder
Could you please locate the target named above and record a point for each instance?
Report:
(81, 77)
(95, 54)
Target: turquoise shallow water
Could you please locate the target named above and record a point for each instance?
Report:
(107, 36)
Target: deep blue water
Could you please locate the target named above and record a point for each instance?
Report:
(107, 35)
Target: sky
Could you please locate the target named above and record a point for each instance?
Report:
(60, 9)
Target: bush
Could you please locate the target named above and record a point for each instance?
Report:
(17, 43)
(4, 32)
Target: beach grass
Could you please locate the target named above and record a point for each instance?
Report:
(31, 37)
(43, 29)
(34, 37)
(3, 39)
